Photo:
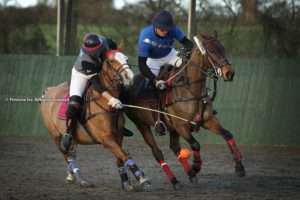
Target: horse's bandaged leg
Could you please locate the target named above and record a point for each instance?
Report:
(138, 173)
(167, 170)
(73, 165)
(197, 164)
(185, 164)
(123, 174)
(234, 149)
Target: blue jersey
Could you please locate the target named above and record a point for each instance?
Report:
(152, 46)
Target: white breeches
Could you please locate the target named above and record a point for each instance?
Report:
(78, 82)
(156, 64)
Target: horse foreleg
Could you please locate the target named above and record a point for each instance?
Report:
(73, 169)
(125, 182)
(109, 142)
(214, 126)
(157, 153)
(195, 146)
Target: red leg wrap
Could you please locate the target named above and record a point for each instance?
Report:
(185, 164)
(197, 160)
(234, 149)
(167, 170)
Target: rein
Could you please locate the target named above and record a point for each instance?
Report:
(158, 111)
(115, 78)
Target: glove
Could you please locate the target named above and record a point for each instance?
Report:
(115, 103)
(178, 63)
(160, 84)
(184, 55)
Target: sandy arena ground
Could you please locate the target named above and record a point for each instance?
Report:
(32, 168)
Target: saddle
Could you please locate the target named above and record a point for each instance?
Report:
(143, 89)
(64, 106)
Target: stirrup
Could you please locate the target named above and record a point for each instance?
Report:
(160, 128)
(66, 141)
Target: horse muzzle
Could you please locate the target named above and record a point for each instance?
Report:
(127, 77)
(228, 76)
(228, 73)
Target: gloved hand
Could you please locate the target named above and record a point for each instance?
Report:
(178, 63)
(184, 54)
(115, 103)
(160, 84)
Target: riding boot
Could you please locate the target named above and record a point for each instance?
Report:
(73, 113)
(67, 138)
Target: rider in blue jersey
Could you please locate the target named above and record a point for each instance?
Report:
(155, 46)
(155, 49)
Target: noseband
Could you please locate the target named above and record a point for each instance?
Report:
(116, 78)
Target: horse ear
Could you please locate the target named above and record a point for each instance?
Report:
(204, 36)
(215, 34)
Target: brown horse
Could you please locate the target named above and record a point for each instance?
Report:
(101, 124)
(186, 96)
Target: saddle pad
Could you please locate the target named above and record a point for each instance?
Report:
(63, 108)
(141, 88)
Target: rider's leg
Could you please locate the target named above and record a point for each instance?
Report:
(73, 113)
(77, 87)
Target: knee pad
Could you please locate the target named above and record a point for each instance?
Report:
(74, 107)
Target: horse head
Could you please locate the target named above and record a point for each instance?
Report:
(214, 56)
(116, 71)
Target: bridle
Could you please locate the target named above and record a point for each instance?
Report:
(213, 72)
(115, 79)
(217, 64)
(214, 62)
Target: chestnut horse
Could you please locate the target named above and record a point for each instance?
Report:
(101, 124)
(186, 97)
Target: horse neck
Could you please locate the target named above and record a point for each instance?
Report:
(105, 83)
(195, 74)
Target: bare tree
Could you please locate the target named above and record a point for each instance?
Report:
(249, 11)
(71, 26)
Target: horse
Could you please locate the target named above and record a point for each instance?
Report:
(186, 95)
(100, 123)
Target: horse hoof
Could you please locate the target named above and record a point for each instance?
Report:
(193, 179)
(85, 184)
(70, 179)
(240, 170)
(177, 186)
(127, 187)
(196, 168)
(145, 185)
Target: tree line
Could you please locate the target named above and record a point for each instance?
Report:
(265, 27)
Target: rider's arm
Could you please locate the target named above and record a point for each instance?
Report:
(180, 37)
(89, 67)
(144, 69)
(187, 44)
